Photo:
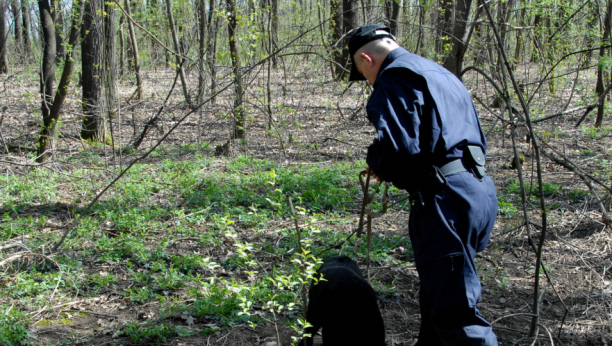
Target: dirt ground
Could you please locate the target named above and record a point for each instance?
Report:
(320, 120)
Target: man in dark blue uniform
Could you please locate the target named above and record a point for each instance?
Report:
(430, 143)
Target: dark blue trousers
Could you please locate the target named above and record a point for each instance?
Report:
(446, 231)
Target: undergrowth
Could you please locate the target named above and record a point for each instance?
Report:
(206, 241)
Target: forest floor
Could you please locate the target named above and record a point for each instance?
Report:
(194, 248)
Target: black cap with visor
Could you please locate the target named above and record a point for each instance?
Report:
(362, 36)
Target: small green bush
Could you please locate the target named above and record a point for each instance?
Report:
(12, 330)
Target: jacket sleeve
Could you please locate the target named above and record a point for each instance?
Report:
(395, 110)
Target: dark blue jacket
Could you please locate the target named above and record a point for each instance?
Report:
(424, 116)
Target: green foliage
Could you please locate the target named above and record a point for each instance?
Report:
(595, 132)
(577, 195)
(12, 327)
(102, 280)
(149, 333)
(506, 208)
(549, 189)
(137, 229)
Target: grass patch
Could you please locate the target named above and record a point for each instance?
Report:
(206, 240)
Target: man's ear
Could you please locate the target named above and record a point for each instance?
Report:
(367, 58)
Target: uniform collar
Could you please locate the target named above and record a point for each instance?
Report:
(392, 56)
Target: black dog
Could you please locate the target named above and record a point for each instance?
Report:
(344, 304)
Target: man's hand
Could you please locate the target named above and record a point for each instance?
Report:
(372, 175)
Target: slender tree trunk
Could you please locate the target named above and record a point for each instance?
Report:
(92, 54)
(605, 40)
(212, 47)
(519, 35)
(420, 32)
(3, 38)
(459, 29)
(25, 25)
(274, 30)
(110, 56)
(48, 65)
(58, 19)
(395, 11)
(177, 48)
(134, 44)
(336, 29)
(202, 48)
(121, 46)
(391, 10)
(445, 12)
(16, 9)
(239, 116)
(153, 24)
(349, 22)
(537, 42)
(48, 131)
(590, 38)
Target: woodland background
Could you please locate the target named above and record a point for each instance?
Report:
(174, 171)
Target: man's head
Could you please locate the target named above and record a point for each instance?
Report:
(368, 47)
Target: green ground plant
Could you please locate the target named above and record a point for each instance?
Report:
(136, 232)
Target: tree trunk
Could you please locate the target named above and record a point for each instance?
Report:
(110, 56)
(445, 13)
(391, 9)
(202, 48)
(121, 46)
(177, 49)
(48, 64)
(16, 9)
(47, 134)
(349, 22)
(239, 118)
(420, 32)
(58, 19)
(274, 30)
(336, 28)
(605, 40)
(519, 35)
(3, 38)
(134, 44)
(460, 30)
(212, 47)
(92, 54)
(25, 25)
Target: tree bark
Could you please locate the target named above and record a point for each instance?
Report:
(336, 28)
(25, 25)
(460, 30)
(212, 47)
(392, 9)
(92, 54)
(202, 48)
(58, 19)
(121, 46)
(110, 56)
(274, 30)
(239, 118)
(49, 51)
(445, 12)
(48, 131)
(16, 9)
(177, 49)
(605, 40)
(349, 22)
(3, 38)
(134, 44)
